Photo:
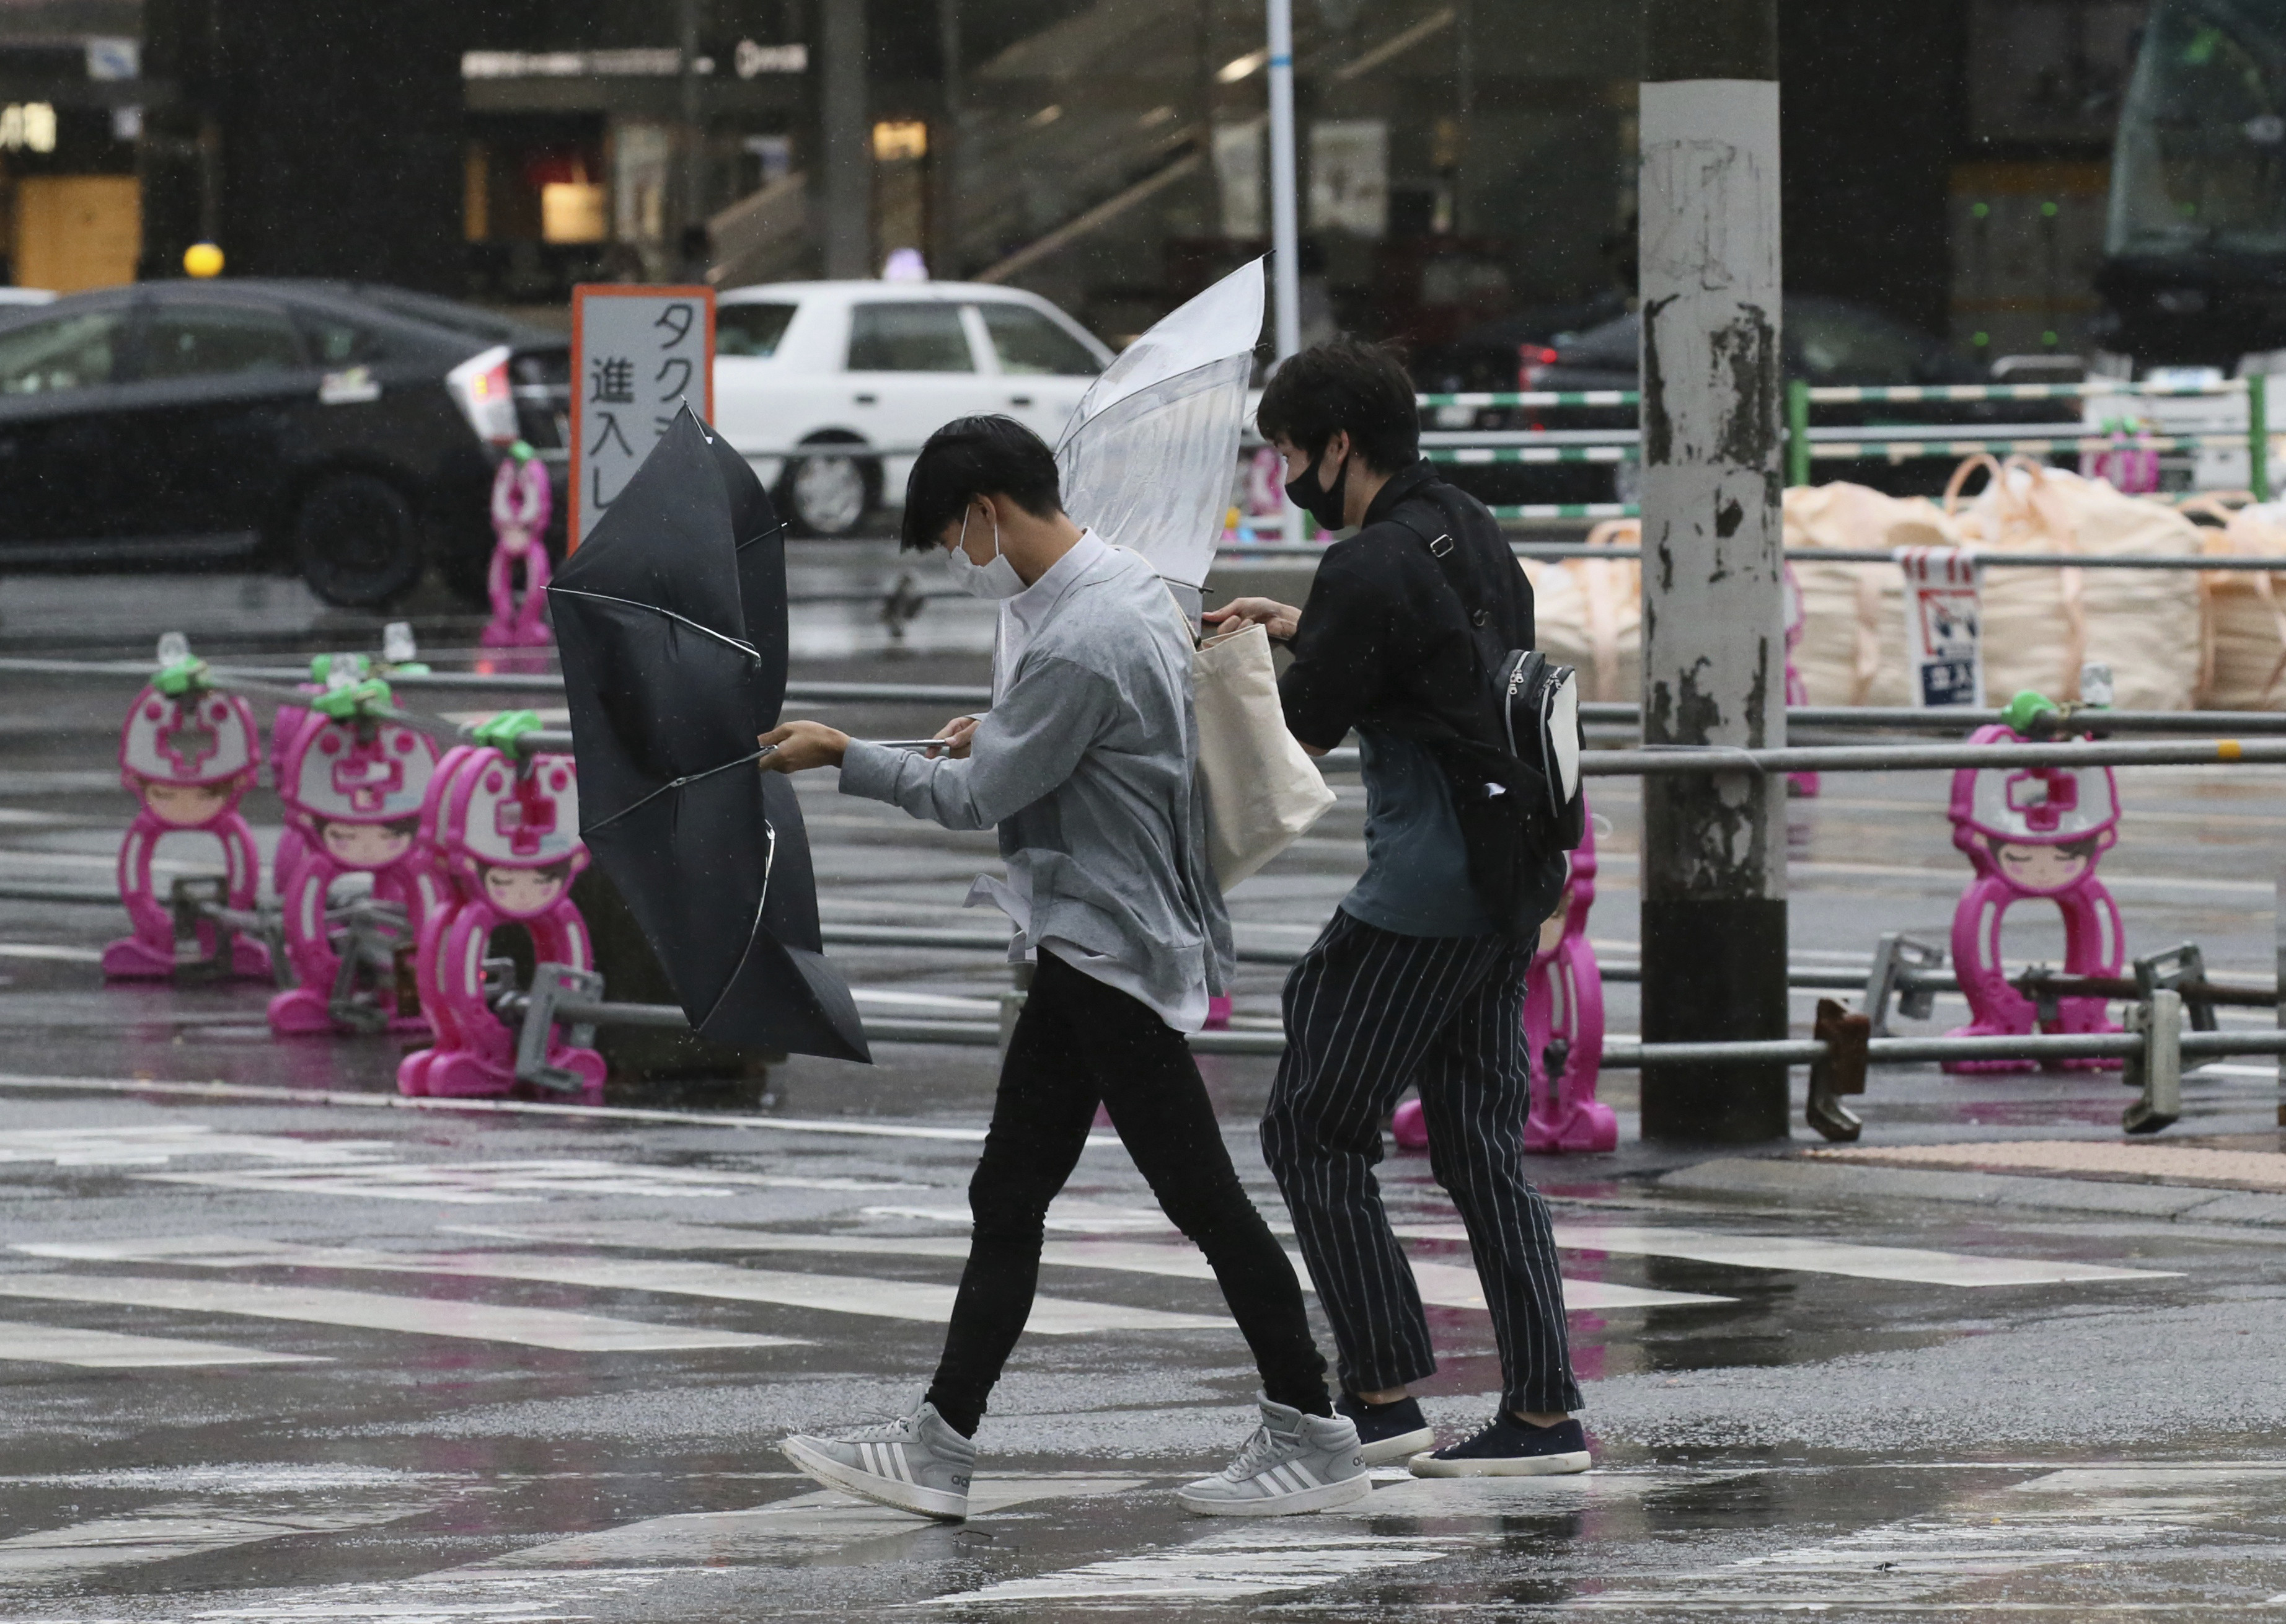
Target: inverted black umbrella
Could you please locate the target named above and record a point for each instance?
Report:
(672, 620)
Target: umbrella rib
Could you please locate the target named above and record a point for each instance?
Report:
(769, 861)
(676, 783)
(760, 535)
(746, 649)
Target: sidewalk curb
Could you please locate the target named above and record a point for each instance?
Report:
(1850, 1181)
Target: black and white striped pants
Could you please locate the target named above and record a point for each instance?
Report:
(1369, 1012)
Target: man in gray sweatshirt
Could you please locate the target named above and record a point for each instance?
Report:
(1086, 765)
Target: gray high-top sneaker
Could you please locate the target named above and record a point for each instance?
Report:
(916, 1463)
(1293, 1462)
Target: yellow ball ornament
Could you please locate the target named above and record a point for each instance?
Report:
(203, 259)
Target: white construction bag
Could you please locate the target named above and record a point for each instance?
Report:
(1263, 790)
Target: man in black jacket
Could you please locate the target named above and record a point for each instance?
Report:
(1411, 983)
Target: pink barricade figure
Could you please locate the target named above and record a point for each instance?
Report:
(1563, 1030)
(1801, 785)
(521, 505)
(187, 754)
(398, 653)
(352, 782)
(506, 832)
(1564, 1023)
(2034, 831)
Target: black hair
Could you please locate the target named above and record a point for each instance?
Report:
(1344, 385)
(972, 457)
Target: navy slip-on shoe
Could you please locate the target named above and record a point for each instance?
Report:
(1386, 1432)
(1509, 1448)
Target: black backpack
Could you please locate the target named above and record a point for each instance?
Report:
(1515, 784)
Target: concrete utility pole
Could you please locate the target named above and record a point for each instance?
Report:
(848, 140)
(1713, 856)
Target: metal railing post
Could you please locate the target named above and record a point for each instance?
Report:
(2157, 1070)
(2257, 437)
(1797, 432)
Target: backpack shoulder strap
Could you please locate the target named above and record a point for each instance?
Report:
(1439, 530)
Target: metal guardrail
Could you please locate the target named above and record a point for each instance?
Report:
(1552, 551)
(2153, 1048)
(1805, 444)
(1900, 757)
(1534, 397)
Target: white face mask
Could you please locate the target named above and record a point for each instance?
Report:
(996, 578)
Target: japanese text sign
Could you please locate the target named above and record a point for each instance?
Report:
(637, 355)
(1943, 633)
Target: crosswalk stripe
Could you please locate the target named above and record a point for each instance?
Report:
(818, 1520)
(496, 1183)
(1220, 1567)
(155, 1144)
(50, 952)
(64, 1344)
(1441, 1285)
(534, 1327)
(1811, 1255)
(852, 1294)
(160, 1535)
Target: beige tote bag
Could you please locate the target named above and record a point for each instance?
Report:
(1262, 789)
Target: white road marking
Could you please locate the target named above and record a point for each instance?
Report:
(855, 1128)
(1220, 1567)
(850, 1294)
(53, 954)
(1064, 1213)
(484, 1183)
(1440, 1285)
(158, 1145)
(160, 1535)
(1807, 1255)
(780, 1529)
(2089, 1515)
(531, 1327)
(63, 1344)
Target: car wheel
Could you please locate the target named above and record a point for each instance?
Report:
(828, 496)
(357, 541)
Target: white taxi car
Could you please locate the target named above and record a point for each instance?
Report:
(811, 377)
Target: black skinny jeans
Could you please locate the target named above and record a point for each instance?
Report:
(1077, 1043)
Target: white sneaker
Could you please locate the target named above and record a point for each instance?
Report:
(916, 1463)
(1293, 1462)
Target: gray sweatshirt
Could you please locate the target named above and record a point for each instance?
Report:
(1087, 764)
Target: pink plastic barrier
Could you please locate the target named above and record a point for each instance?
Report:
(352, 789)
(2035, 831)
(1803, 785)
(522, 503)
(187, 756)
(505, 835)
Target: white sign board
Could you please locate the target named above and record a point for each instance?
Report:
(1943, 626)
(638, 354)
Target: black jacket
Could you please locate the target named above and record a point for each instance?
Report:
(1384, 641)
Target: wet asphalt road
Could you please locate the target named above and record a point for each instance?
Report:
(302, 1361)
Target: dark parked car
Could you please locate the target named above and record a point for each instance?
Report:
(344, 430)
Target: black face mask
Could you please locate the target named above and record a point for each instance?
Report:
(1324, 505)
